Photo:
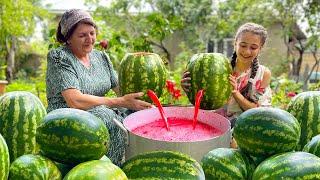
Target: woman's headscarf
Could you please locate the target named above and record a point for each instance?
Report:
(72, 17)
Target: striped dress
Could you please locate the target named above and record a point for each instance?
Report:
(64, 71)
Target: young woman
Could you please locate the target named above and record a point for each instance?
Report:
(250, 80)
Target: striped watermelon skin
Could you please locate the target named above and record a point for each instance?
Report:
(96, 169)
(72, 136)
(290, 165)
(31, 166)
(65, 168)
(306, 108)
(141, 71)
(226, 163)
(210, 71)
(313, 146)
(4, 159)
(265, 131)
(163, 165)
(20, 114)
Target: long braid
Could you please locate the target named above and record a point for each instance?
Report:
(248, 87)
(233, 60)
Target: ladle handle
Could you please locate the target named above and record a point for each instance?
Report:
(121, 126)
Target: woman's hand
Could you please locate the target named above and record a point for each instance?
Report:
(185, 81)
(131, 101)
(233, 82)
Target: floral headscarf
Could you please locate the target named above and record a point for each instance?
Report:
(72, 17)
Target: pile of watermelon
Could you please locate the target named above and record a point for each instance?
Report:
(272, 144)
(70, 144)
(65, 142)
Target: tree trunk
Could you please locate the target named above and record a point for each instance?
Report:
(297, 62)
(10, 57)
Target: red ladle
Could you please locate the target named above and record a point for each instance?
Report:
(155, 99)
(196, 107)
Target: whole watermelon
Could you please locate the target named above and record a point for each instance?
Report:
(96, 169)
(31, 166)
(290, 165)
(163, 165)
(313, 146)
(306, 108)
(226, 163)
(20, 114)
(4, 159)
(72, 136)
(265, 131)
(141, 71)
(210, 71)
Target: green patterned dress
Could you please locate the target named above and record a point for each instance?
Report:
(64, 71)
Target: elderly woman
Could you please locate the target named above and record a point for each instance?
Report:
(79, 76)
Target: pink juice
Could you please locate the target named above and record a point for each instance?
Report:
(181, 130)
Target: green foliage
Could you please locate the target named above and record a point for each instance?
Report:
(283, 90)
(36, 83)
(169, 99)
(30, 86)
(3, 72)
(18, 17)
(314, 86)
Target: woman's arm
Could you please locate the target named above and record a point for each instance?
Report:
(244, 103)
(75, 99)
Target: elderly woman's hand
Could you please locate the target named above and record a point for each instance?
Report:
(131, 101)
(185, 81)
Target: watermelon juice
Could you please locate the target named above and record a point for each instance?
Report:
(181, 130)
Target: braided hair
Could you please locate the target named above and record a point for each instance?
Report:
(258, 30)
(254, 69)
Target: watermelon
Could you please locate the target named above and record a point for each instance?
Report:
(141, 71)
(96, 169)
(313, 146)
(4, 159)
(210, 71)
(31, 166)
(306, 108)
(163, 165)
(265, 131)
(226, 163)
(72, 136)
(20, 114)
(290, 165)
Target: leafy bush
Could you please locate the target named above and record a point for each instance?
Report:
(27, 85)
(283, 90)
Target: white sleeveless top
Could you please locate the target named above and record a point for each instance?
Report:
(261, 96)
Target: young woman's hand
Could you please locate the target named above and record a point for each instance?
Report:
(185, 81)
(233, 82)
(131, 101)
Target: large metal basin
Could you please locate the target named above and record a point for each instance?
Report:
(137, 144)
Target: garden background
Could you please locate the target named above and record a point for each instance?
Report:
(175, 29)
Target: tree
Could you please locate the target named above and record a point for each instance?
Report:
(290, 12)
(17, 21)
(312, 16)
(150, 23)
